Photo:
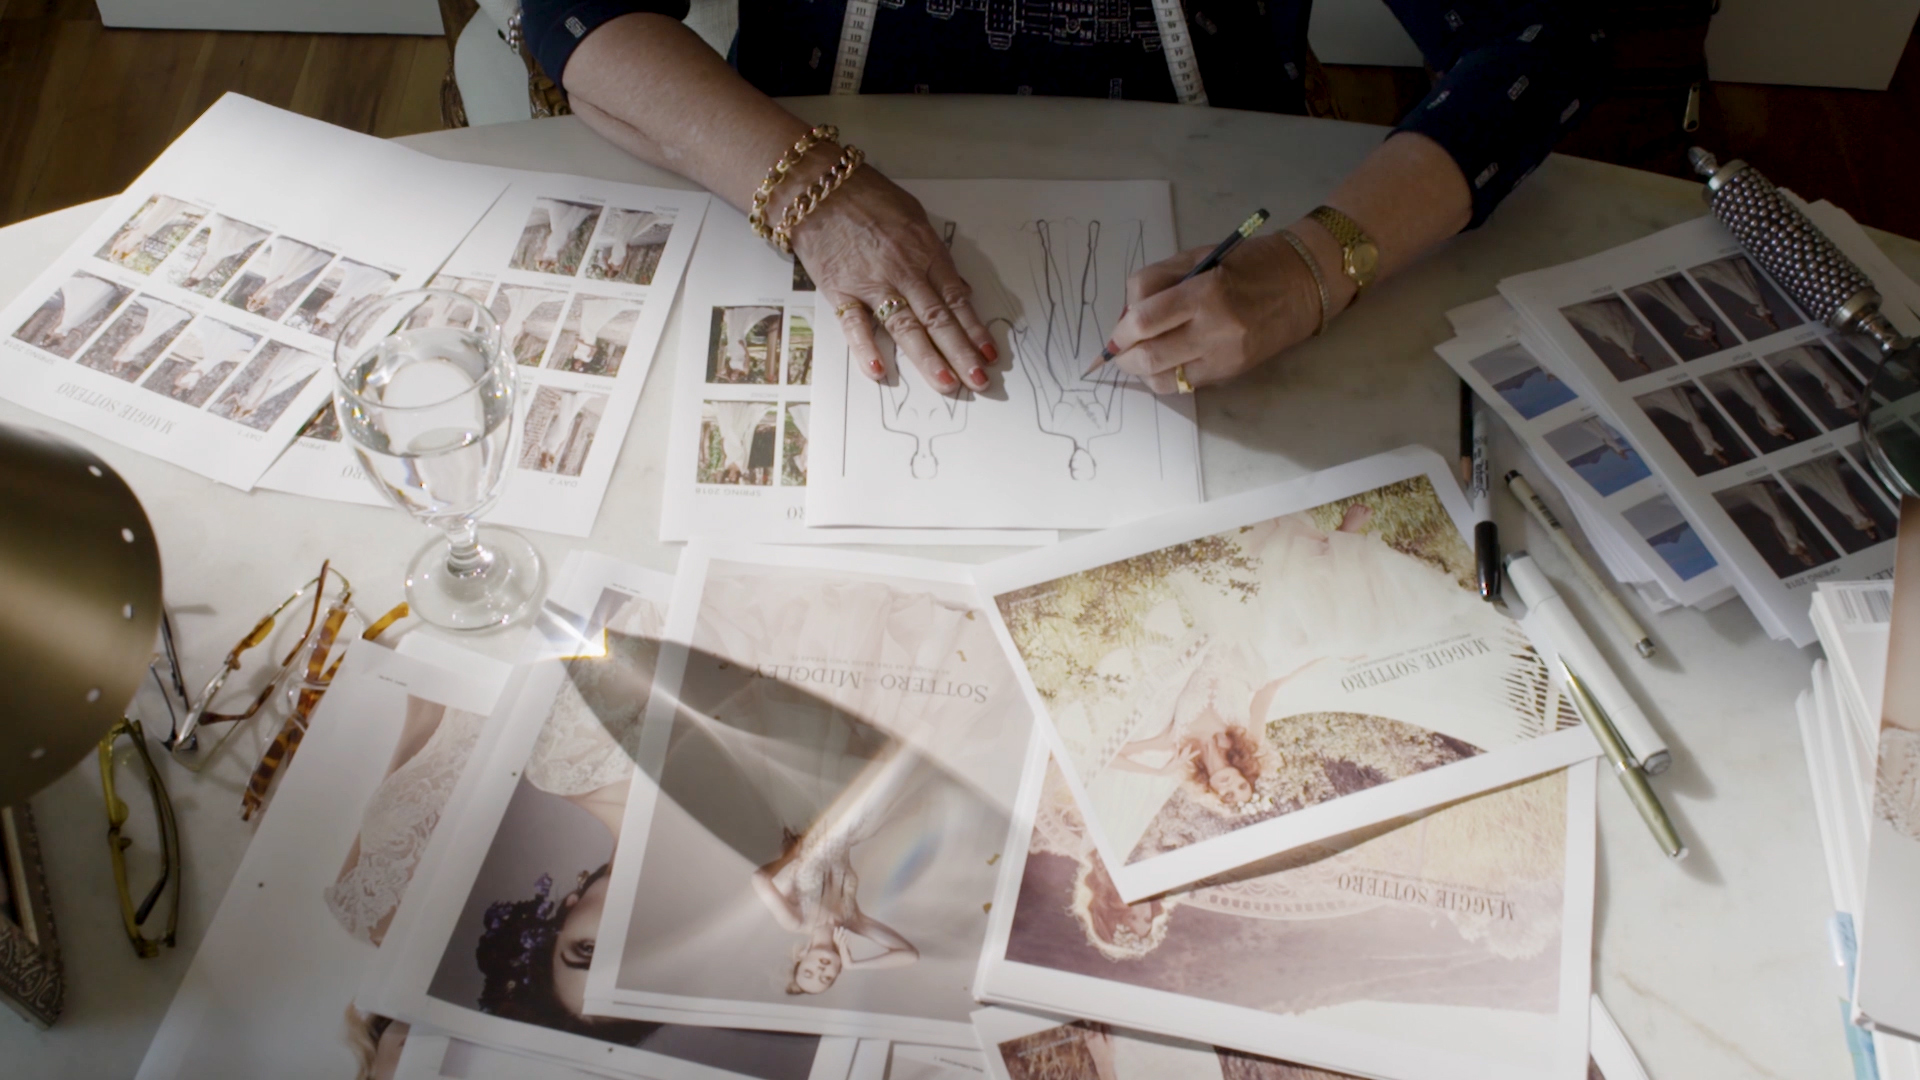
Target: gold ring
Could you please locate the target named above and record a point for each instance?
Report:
(1180, 379)
(888, 308)
(841, 311)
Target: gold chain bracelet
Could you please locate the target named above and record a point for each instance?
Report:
(809, 200)
(757, 217)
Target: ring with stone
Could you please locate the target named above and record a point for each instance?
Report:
(888, 308)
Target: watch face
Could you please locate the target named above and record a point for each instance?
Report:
(1363, 262)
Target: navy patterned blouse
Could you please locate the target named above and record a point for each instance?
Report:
(1514, 74)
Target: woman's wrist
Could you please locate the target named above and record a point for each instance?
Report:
(1328, 258)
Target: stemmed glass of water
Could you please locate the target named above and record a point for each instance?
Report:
(425, 394)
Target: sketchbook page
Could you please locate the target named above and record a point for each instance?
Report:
(1887, 990)
(1045, 446)
(1265, 671)
(1418, 950)
(739, 451)
(323, 874)
(825, 779)
(195, 320)
(1746, 410)
(580, 274)
(492, 949)
(1023, 1046)
(1585, 456)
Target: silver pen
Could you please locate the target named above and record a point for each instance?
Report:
(1625, 767)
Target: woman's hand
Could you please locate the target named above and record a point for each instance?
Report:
(840, 936)
(870, 242)
(1258, 301)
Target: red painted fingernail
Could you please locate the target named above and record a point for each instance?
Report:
(945, 379)
(876, 369)
(992, 354)
(979, 377)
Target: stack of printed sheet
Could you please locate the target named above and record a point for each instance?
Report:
(1257, 789)
(195, 321)
(1703, 429)
(1859, 724)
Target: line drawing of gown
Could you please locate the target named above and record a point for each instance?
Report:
(908, 407)
(357, 282)
(1609, 320)
(1763, 500)
(1742, 383)
(1663, 293)
(1073, 304)
(1821, 477)
(1736, 276)
(162, 319)
(735, 421)
(225, 239)
(594, 313)
(1676, 403)
(398, 821)
(286, 262)
(1812, 361)
(82, 297)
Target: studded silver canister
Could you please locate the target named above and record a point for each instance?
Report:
(1821, 279)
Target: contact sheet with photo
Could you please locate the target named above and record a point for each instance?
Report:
(580, 275)
(739, 452)
(1586, 457)
(494, 946)
(1740, 409)
(1266, 671)
(1418, 949)
(194, 321)
(825, 775)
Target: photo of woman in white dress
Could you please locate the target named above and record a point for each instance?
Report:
(151, 234)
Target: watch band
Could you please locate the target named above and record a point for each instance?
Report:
(1351, 237)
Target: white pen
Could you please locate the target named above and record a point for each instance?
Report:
(1550, 618)
(1617, 611)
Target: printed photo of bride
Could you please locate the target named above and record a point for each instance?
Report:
(629, 245)
(527, 317)
(215, 253)
(736, 443)
(65, 320)
(528, 929)
(201, 360)
(593, 339)
(793, 448)
(264, 389)
(1234, 679)
(559, 430)
(345, 286)
(554, 239)
(842, 868)
(1460, 908)
(151, 234)
(136, 339)
(744, 345)
(271, 283)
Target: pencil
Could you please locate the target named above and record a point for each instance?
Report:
(1247, 228)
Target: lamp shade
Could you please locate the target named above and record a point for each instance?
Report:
(79, 605)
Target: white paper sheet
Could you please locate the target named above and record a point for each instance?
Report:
(514, 887)
(1422, 952)
(826, 769)
(1746, 411)
(1045, 446)
(182, 323)
(584, 325)
(1338, 608)
(270, 991)
(1024, 1046)
(441, 1057)
(1585, 456)
(739, 453)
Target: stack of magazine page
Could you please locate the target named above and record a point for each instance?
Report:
(1702, 428)
(1842, 732)
(195, 320)
(1259, 789)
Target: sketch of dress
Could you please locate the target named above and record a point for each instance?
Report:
(1609, 320)
(1675, 401)
(1077, 280)
(910, 407)
(398, 822)
(1735, 275)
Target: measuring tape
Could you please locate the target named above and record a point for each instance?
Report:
(1176, 44)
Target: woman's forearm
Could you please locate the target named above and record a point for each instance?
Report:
(1408, 195)
(652, 86)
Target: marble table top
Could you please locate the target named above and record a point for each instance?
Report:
(1715, 967)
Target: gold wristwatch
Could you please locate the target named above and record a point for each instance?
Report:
(1359, 255)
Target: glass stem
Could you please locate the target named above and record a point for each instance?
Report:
(464, 556)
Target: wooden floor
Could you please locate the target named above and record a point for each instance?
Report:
(84, 109)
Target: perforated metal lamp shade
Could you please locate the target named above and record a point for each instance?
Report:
(79, 605)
